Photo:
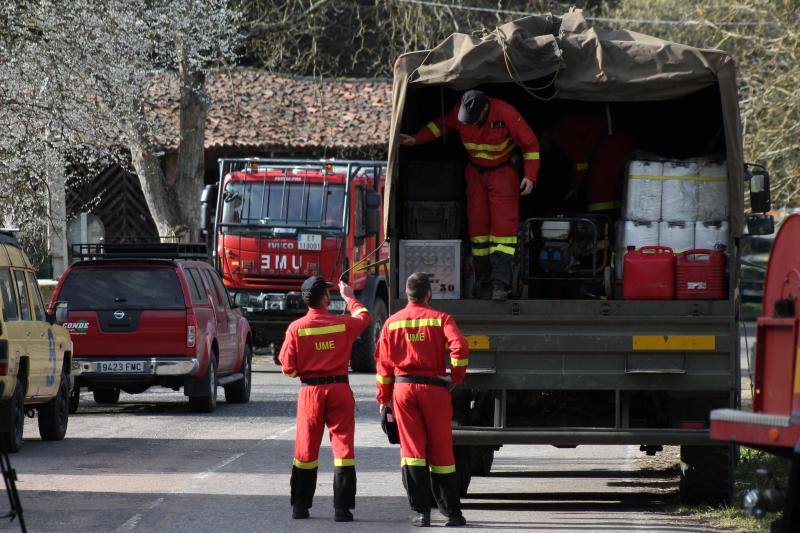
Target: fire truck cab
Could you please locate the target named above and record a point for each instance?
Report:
(271, 223)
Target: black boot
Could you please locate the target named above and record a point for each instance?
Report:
(342, 515)
(303, 485)
(456, 520)
(344, 490)
(483, 279)
(417, 480)
(448, 500)
(502, 266)
(422, 520)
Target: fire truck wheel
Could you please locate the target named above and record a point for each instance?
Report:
(706, 474)
(363, 357)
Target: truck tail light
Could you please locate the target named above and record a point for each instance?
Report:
(191, 329)
(3, 357)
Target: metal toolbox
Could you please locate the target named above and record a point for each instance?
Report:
(441, 259)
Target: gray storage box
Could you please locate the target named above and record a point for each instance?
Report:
(442, 259)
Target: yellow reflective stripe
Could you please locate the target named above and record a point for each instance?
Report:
(415, 323)
(490, 156)
(434, 128)
(344, 462)
(674, 342)
(503, 240)
(447, 469)
(305, 466)
(477, 239)
(383, 380)
(480, 252)
(359, 311)
(686, 178)
(530, 156)
(602, 206)
(292, 374)
(459, 362)
(581, 166)
(488, 147)
(336, 328)
(412, 461)
(503, 249)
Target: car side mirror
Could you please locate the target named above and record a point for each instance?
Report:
(60, 315)
(373, 215)
(760, 194)
(760, 224)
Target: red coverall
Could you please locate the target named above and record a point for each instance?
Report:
(578, 134)
(412, 344)
(318, 346)
(492, 183)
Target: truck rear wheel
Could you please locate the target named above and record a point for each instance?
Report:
(14, 415)
(463, 456)
(239, 391)
(706, 474)
(363, 357)
(481, 459)
(207, 402)
(54, 415)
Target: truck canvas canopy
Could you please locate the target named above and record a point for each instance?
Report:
(575, 62)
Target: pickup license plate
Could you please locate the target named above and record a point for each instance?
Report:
(119, 366)
(310, 242)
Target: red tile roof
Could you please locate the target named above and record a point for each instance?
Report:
(252, 108)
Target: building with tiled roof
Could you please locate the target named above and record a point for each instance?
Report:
(253, 109)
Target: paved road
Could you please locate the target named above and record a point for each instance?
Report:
(147, 464)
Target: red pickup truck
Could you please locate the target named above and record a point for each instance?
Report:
(157, 315)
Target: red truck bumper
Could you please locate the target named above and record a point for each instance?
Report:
(758, 429)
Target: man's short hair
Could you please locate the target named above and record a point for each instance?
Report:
(313, 290)
(417, 286)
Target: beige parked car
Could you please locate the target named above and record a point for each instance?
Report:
(35, 353)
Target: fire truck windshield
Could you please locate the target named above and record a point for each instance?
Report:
(261, 203)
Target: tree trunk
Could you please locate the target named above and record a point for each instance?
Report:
(191, 150)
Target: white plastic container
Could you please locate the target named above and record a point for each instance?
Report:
(680, 191)
(636, 233)
(712, 190)
(643, 195)
(441, 259)
(711, 235)
(677, 235)
(556, 229)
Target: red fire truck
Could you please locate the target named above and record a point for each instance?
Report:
(774, 424)
(271, 223)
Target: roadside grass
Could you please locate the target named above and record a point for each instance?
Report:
(734, 517)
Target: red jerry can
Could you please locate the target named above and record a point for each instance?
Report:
(649, 274)
(700, 275)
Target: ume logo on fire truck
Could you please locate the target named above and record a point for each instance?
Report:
(281, 262)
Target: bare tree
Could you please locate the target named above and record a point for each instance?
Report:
(84, 71)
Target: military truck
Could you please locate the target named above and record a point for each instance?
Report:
(569, 368)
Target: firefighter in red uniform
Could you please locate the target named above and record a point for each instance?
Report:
(317, 350)
(490, 130)
(411, 379)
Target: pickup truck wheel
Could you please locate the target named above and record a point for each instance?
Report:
(239, 391)
(11, 440)
(106, 396)
(208, 401)
(363, 357)
(706, 474)
(54, 415)
(74, 399)
(463, 456)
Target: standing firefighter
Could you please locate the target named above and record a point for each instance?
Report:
(411, 379)
(317, 350)
(490, 130)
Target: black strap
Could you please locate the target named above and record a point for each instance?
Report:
(421, 380)
(324, 380)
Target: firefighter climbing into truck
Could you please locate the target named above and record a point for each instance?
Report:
(271, 223)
